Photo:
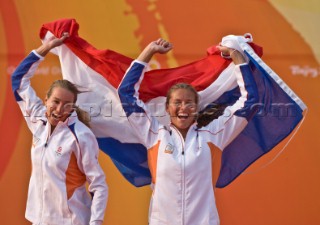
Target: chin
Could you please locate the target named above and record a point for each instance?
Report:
(183, 127)
(53, 122)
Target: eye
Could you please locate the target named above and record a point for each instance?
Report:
(69, 106)
(191, 105)
(177, 103)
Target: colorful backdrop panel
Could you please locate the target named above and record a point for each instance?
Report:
(281, 188)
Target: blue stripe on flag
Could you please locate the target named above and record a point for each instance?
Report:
(130, 159)
(276, 118)
(248, 111)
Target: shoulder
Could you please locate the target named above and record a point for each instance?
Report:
(81, 132)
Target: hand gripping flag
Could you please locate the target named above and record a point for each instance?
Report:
(99, 73)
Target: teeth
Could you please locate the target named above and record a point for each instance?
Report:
(56, 116)
(183, 115)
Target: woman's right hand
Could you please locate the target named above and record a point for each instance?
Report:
(159, 46)
(51, 43)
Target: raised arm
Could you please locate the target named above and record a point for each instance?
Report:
(30, 104)
(159, 46)
(141, 121)
(236, 117)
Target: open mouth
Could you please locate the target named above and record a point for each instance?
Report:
(56, 117)
(183, 116)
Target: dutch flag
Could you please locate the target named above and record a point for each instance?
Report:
(99, 72)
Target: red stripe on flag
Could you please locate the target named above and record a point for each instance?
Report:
(112, 65)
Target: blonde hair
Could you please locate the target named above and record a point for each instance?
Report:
(182, 86)
(83, 116)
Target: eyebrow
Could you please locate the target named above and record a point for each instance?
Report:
(188, 100)
(55, 98)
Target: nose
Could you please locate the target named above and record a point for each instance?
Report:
(59, 108)
(184, 106)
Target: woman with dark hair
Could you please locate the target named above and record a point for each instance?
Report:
(64, 151)
(179, 154)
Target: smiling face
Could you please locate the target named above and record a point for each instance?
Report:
(182, 108)
(60, 104)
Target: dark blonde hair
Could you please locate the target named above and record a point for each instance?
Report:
(82, 115)
(182, 86)
(211, 112)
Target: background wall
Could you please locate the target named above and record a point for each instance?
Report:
(281, 188)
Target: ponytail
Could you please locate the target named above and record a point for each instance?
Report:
(83, 116)
(210, 113)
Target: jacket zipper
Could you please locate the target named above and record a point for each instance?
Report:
(183, 185)
(41, 169)
(42, 156)
(182, 177)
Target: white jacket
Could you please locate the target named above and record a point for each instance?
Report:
(181, 169)
(61, 162)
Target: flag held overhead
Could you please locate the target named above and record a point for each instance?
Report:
(100, 72)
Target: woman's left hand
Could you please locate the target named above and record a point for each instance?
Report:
(231, 53)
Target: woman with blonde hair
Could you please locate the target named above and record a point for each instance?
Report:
(64, 151)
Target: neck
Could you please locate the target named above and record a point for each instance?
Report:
(183, 132)
(52, 128)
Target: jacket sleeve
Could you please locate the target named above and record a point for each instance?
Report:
(89, 164)
(136, 111)
(30, 104)
(236, 117)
